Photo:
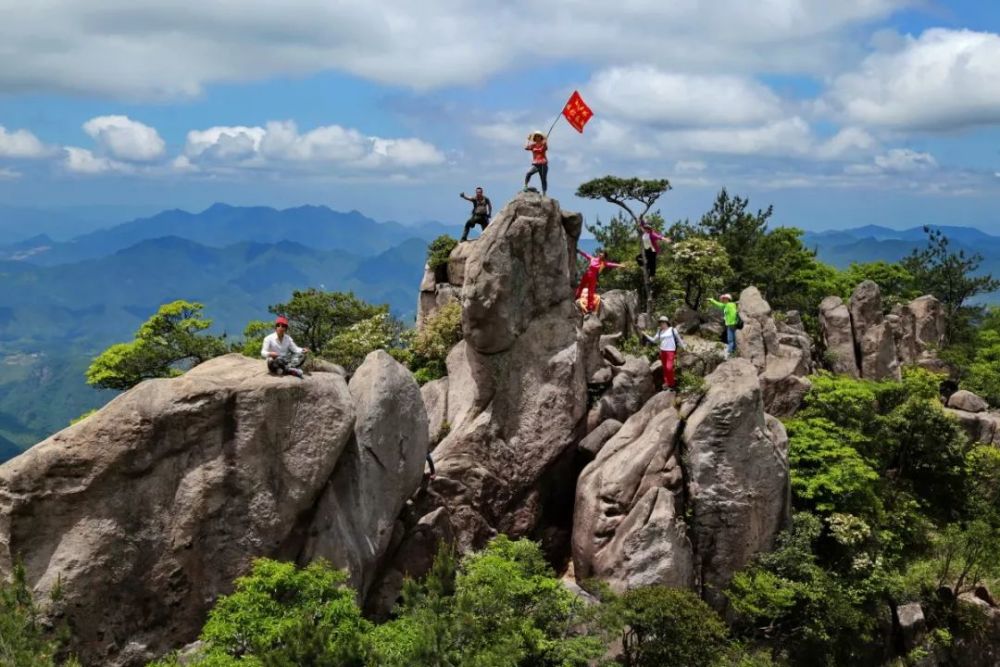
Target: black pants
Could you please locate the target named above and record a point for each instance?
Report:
(650, 261)
(480, 220)
(285, 362)
(543, 173)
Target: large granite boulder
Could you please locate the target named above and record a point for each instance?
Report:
(628, 525)
(618, 311)
(435, 397)
(838, 337)
(631, 386)
(920, 328)
(966, 400)
(520, 269)
(144, 512)
(873, 337)
(516, 383)
(380, 468)
(737, 476)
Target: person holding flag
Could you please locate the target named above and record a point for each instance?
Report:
(539, 146)
(577, 113)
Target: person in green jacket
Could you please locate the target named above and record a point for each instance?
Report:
(731, 316)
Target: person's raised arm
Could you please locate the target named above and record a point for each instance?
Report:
(462, 195)
(651, 339)
(717, 304)
(613, 265)
(588, 257)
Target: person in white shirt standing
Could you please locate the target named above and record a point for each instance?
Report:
(670, 341)
(282, 354)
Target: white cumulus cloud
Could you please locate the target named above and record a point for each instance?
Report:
(281, 143)
(170, 48)
(647, 94)
(83, 161)
(125, 139)
(941, 80)
(21, 144)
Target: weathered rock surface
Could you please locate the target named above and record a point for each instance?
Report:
(433, 300)
(380, 468)
(873, 338)
(596, 439)
(457, 261)
(838, 337)
(911, 624)
(920, 330)
(518, 270)
(738, 477)
(628, 527)
(981, 427)
(618, 311)
(631, 386)
(435, 397)
(147, 510)
(781, 353)
(966, 400)
(517, 387)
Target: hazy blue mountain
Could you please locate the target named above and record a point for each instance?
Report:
(8, 449)
(222, 225)
(61, 224)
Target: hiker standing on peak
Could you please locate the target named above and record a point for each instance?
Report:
(670, 341)
(651, 245)
(282, 354)
(539, 146)
(731, 317)
(482, 211)
(598, 263)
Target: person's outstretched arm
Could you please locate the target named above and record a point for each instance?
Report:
(462, 195)
(584, 254)
(613, 265)
(651, 339)
(717, 304)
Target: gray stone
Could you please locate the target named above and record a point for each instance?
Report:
(838, 337)
(966, 400)
(628, 527)
(613, 355)
(435, 398)
(911, 624)
(457, 260)
(591, 445)
(380, 468)
(737, 476)
(618, 311)
(146, 511)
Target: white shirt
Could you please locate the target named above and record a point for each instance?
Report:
(667, 338)
(282, 347)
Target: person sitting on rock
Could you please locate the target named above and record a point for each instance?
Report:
(651, 245)
(282, 354)
(482, 211)
(598, 263)
(539, 146)
(585, 299)
(731, 317)
(670, 341)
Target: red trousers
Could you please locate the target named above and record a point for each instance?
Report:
(667, 359)
(588, 281)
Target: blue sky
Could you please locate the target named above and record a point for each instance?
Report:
(840, 114)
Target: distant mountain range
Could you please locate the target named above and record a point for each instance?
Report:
(67, 298)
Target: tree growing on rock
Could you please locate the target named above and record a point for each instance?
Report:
(950, 276)
(634, 196)
(315, 316)
(166, 344)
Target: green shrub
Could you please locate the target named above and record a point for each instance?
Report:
(25, 640)
(439, 251)
(350, 346)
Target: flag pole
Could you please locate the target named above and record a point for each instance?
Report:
(553, 125)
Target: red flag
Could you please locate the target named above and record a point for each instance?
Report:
(577, 112)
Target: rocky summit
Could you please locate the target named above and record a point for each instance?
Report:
(545, 427)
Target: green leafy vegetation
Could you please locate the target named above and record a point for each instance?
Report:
(168, 342)
(431, 345)
(25, 640)
(438, 252)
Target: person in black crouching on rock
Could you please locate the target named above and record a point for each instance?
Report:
(282, 354)
(482, 211)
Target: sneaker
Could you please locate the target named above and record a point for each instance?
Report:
(296, 372)
(279, 372)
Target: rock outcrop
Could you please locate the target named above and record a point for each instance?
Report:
(733, 481)
(782, 356)
(517, 386)
(862, 342)
(380, 468)
(147, 510)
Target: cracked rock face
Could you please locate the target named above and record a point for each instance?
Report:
(685, 502)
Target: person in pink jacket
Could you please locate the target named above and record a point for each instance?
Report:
(598, 263)
(651, 245)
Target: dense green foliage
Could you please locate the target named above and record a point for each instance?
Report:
(439, 250)
(166, 343)
(315, 316)
(24, 639)
(350, 346)
(950, 276)
(441, 332)
(892, 502)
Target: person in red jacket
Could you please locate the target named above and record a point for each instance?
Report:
(598, 263)
(539, 146)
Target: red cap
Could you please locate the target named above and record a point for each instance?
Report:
(281, 320)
